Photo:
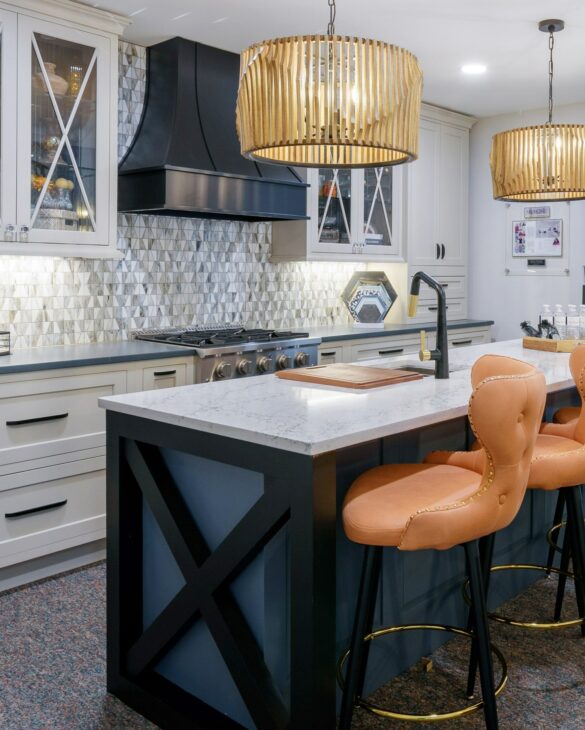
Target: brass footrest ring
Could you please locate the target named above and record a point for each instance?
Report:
(435, 716)
(549, 536)
(526, 624)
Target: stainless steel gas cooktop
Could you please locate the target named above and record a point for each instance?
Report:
(232, 352)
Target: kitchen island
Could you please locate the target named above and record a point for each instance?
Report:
(231, 587)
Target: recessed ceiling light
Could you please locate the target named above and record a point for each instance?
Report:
(473, 69)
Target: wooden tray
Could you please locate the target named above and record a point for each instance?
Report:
(349, 376)
(539, 343)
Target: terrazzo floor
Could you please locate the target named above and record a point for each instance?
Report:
(53, 653)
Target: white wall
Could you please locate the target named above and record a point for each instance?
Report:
(493, 295)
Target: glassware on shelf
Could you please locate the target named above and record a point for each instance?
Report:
(58, 84)
(63, 188)
(75, 79)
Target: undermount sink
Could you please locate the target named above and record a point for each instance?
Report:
(428, 371)
(423, 371)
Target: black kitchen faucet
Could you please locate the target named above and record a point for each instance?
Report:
(441, 352)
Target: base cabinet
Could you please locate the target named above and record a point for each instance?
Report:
(376, 347)
(53, 454)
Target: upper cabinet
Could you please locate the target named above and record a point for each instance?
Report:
(415, 213)
(58, 129)
(353, 215)
(438, 193)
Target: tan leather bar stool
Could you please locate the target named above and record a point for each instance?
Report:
(569, 414)
(426, 506)
(558, 463)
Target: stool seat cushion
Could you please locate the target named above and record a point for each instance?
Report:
(556, 461)
(568, 414)
(383, 502)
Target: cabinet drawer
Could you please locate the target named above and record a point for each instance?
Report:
(454, 288)
(164, 376)
(51, 516)
(456, 309)
(384, 349)
(461, 338)
(329, 355)
(50, 416)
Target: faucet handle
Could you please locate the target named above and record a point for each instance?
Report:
(424, 354)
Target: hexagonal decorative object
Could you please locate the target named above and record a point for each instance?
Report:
(369, 296)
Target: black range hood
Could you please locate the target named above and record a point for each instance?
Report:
(185, 159)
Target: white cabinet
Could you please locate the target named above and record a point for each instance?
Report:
(354, 215)
(437, 197)
(53, 451)
(58, 129)
(167, 375)
(369, 348)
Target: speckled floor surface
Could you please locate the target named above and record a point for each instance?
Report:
(52, 666)
(53, 657)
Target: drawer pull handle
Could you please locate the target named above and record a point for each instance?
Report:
(434, 309)
(462, 342)
(395, 351)
(34, 510)
(161, 373)
(445, 286)
(328, 354)
(40, 419)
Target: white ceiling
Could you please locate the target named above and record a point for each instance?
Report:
(444, 34)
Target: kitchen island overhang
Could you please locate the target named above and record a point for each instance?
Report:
(225, 608)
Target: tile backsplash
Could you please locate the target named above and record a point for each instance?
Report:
(174, 271)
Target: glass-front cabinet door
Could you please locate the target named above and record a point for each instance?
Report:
(356, 213)
(8, 109)
(64, 136)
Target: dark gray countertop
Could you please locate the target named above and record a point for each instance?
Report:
(348, 332)
(69, 356)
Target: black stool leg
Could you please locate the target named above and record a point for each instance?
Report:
(486, 553)
(576, 534)
(481, 635)
(559, 512)
(564, 567)
(362, 625)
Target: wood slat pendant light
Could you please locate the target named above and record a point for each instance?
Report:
(329, 101)
(542, 163)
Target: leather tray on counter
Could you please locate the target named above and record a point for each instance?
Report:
(349, 376)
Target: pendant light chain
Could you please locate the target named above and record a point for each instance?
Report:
(332, 13)
(551, 45)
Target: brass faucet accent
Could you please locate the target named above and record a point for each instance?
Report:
(424, 354)
(441, 352)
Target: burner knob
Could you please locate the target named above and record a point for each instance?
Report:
(264, 364)
(222, 370)
(243, 367)
(301, 359)
(282, 362)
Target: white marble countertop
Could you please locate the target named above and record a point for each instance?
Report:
(313, 419)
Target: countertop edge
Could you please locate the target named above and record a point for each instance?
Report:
(363, 334)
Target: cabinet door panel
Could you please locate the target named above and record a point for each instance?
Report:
(424, 178)
(8, 124)
(63, 147)
(453, 195)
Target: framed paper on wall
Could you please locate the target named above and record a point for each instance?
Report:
(535, 246)
(541, 237)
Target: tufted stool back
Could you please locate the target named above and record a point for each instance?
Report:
(577, 365)
(505, 412)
